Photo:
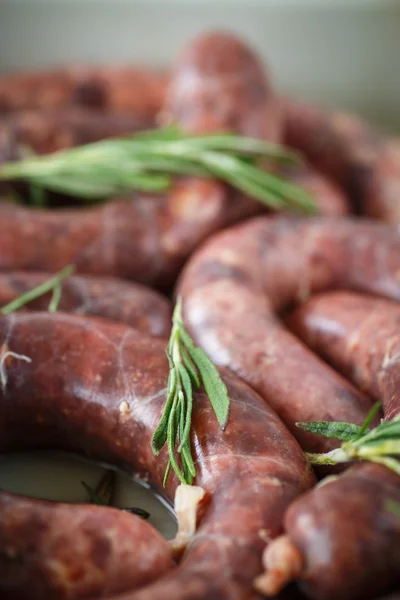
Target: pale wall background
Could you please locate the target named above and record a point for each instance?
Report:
(338, 52)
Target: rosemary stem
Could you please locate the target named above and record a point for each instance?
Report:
(339, 455)
(44, 288)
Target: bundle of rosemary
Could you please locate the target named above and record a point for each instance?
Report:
(148, 162)
(380, 444)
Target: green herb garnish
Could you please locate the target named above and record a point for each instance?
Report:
(103, 494)
(393, 507)
(380, 444)
(51, 285)
(189, 368)
(148, 161)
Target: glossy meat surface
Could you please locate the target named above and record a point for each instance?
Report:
(69, 551)
(98, 389)
(348, 535)
(132, 303)
(235, 285)
(360, 336)
(357, 157)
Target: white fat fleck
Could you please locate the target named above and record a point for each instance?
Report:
(3, 373)
(124, 407)
(389, 358)
(187, 501)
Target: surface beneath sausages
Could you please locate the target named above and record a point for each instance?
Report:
(64, 551)
(347, 534)
(362, 161)
(237, 282)
(109, 383)
(125, 89)
(360, 336)
(113, 299)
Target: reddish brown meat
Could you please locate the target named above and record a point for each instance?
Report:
(122, 89)
(147, 238)
(328, 197)
(219, 84)
(360, 336)
(67, 551)
(342, 540)
(45, 132)
(99, 389)
(347, 149)
(237, 282)
(132, 303)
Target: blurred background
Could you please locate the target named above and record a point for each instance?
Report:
(342, 53)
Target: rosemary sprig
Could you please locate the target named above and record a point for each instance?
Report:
(148, 161)
(103, 494)
(380, 444)
(393, 507)
(51, 285)
(189, 368)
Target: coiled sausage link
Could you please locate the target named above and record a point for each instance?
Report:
(122, 89)
(99, 389)
(147, 238)
(48, 131)
(113, 299)
(219, 84)
(54, 551)
(237, 282)
(360, 336)
(353, 154)
(342, 540)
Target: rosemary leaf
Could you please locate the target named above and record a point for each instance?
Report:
(331, 429)
(187, 417)
(148, 161)
(55, 298)
(167, 472)
(160, 435)
(38, 195)
(93, 497)
(380, 444)
(189, 366)
(393, 507)
(369, 418)
(214, 386)
(140, 512)
(171, 438)
(48, 286)
(190, 369)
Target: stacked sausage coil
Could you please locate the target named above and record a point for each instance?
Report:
(299, 314)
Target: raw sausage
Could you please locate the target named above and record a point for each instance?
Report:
(220, 84)
(360, 336)
(45, 132)
(113, 299)
(362, 161)
(328, 197)
(122, 89)
(67, 551)
(144, 237)
(109, 383)
(342, 540)
(147, 238)
(237, 282)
